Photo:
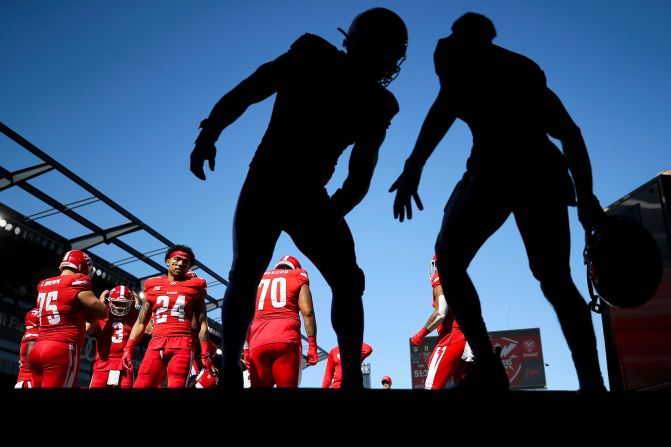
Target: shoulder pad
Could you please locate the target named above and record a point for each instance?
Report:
(196, 282)
(310, 42)
(155, 281)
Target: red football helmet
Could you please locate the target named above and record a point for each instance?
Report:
(120, 300)
(78, 261)
(289, 261)
(386, 379)
(190, 274)
(207, 378)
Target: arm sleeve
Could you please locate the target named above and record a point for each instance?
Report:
(328, 374)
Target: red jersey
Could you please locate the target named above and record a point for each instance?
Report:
(111, 337)
(276, 319)
(448, 329)
(173, 304)
(31, 333)
(62, 317)
(333, 373)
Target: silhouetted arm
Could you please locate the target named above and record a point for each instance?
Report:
(257, 87)
(561, 126)
(362, 164)
(438, 121)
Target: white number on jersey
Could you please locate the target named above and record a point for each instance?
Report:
(278, 292)
(117, 334)
(46, 305)
(177, 310)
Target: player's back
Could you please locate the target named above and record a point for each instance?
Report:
(61, 315)
(276, 318)
(321, 106)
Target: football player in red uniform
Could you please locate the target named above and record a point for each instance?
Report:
(25, 378)
(445, 359)
(173, 300)
(64, 305)
(111, 338)
(325, 101)
(333, 372)
(274, 338)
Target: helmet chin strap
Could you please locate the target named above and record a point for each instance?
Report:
(596, 304)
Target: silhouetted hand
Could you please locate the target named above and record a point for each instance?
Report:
(590, 213)
(201, 152)
(406, 189)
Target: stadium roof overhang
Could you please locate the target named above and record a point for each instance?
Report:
(93, 231)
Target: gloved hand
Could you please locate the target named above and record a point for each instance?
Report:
(203, 150)
(313, 356)
(206, 360)
(590, 213)
(127, 359)
(127, 356)
(205, 355)
(416, 339)
(406, 187)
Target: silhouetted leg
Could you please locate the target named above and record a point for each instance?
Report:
(547, 239)
(472, 215)
(254, 237)
(331, 250)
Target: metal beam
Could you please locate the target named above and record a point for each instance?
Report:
(93, 239)
(9, 179)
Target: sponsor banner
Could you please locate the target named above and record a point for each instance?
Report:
(521, 355)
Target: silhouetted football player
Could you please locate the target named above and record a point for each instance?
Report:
(325, 101)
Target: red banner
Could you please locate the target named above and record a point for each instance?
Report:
(521, 354)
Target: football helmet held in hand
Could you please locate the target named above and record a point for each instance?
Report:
(623, 261)
(207, 378)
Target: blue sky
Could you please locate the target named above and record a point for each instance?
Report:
(116, 90)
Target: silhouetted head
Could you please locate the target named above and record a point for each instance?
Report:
(377, 40)
(474, 28)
